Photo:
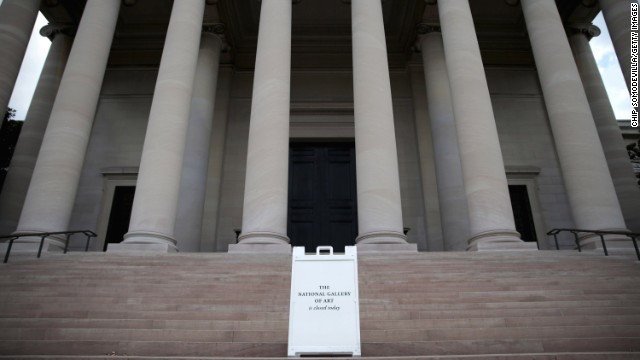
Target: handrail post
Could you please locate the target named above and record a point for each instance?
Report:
(604, 246)
(66, 243)
(635, 245)
(555, 237)
(6, 256)
(41, 244)
(86, 247)
(575, 235)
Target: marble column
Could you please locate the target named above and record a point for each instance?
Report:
(196, 154)
(55, 178)
(453, 204)
(155, 204)
(609, 132)
(264, 217)
(17, 18)
(379, 207)
(24, 158)
(617, 16)
(491, 223)
(590, 190)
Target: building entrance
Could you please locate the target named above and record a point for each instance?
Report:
(322, 195)
(120, 214)
(522, 213)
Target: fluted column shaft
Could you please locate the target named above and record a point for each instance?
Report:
(155, 204)
(17, 18)
(608, 131)
(590, 190)
(617, 15)
(378, 184)
(196, 154)
(490, 213)
(25, 155)
(54, 183)
(264, 218)
(453, 204)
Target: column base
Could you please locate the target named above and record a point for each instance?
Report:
(142, 241)
(261, 242)
(259, 249)
(384, 242)
(32, 244)
(141, 248)
(593, 241)
(500, 240)
(387, 248)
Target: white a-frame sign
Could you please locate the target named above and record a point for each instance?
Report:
(324, 315)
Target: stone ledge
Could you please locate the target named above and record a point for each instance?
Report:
(387, 248)
(259, 249)
(504, 246)
(138, 248)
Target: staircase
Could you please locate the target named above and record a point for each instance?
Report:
(529, 305)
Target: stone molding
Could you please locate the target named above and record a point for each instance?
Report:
(425, 28)
(258, 237)
(51, 30)
(589, 30)
(218, 30)
(381, 237)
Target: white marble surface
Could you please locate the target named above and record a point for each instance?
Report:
(453, 203)
(264, 218)
(490, 214)
(609, 133)
(156, 199)
(54, 183)
(588, 183)
(16, 184)
(378, 184)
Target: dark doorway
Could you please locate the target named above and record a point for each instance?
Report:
(322, 195)
(522, 212)
(120, 214)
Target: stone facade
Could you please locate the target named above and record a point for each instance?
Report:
(321, 74)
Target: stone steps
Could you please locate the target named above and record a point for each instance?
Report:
(537, 356)
(541, 305)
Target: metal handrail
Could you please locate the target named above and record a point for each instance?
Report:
(601, 233)
(88, 233)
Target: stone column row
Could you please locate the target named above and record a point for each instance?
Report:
(491, 223)
(380, 224)
(264, 217)
(449, 179)
(51, 195)
(25, 155)
(264, 221)
(155, 204)
(607, 126)
(52, 191)
(589, 186)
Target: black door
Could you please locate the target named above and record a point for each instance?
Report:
(522, 212)
(120, 214)
(322, 195)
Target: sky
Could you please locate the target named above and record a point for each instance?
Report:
(601, 47)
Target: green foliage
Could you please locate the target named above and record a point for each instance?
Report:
(634, 154)
(9, 133)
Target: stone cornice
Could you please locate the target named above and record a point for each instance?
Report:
(423, 29)
(589, 30)
(51, 30)
(219, 30)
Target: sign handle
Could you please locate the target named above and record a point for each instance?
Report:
(324, 248)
